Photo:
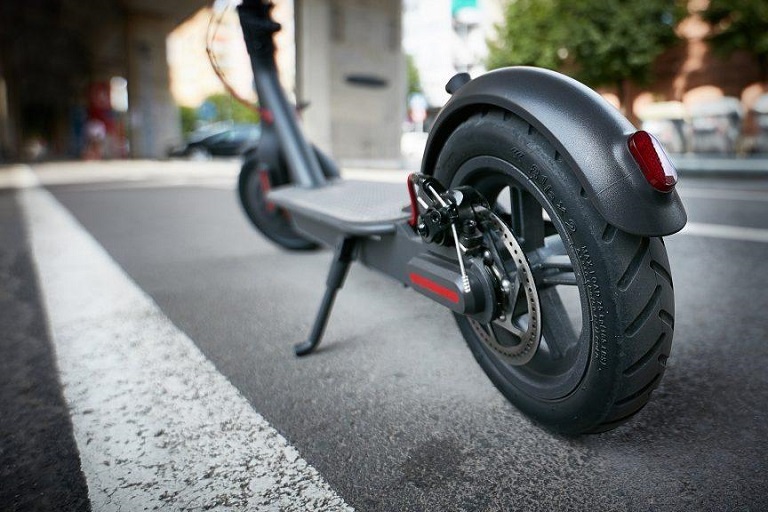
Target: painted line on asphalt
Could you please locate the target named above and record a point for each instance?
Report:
(17, 177)
(128, 171)
(724, 194)
(156, 425)
(726, 232)
(216, 184)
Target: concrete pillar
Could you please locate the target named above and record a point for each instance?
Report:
(154, 116)
(351, 67)
(313, 77)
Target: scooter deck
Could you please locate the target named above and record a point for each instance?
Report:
(360, 208)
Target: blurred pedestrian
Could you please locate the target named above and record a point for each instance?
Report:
(95, 137)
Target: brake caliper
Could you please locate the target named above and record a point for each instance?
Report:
(498, 292)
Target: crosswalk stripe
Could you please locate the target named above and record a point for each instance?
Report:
(725, 194)
(156, 425)
(743, 234)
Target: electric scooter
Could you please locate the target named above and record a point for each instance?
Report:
(536, 218)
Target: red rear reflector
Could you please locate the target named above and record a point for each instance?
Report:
(653, 161)
(433, 287)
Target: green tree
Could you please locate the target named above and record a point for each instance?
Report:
(740, 25)
(414, 81)
(600, 42)
(188, 119)
(617, 42)
(229, 109)
(533, 34)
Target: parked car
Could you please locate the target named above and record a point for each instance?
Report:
(218, 140)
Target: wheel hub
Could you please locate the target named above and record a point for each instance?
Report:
(510, 324)
(516, 333)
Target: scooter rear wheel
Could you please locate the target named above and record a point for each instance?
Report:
(607, 303)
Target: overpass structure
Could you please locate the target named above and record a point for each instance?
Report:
(66, 64)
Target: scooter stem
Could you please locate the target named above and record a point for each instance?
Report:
(258, 31)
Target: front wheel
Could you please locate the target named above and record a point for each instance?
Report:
(606, 301)
(254, 183)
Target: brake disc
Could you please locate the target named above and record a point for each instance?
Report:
(515, 338)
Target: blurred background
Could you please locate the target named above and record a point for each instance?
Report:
(131, 78)
(393, 413)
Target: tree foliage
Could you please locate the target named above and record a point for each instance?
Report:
(533, 34)
(740, 25)
(414, 81)
(225, 108)
(617, 40)
(229, 109)
(600, 42)
(188, 119)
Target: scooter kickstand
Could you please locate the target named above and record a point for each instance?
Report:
(343, 256)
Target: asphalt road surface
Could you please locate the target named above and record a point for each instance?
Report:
(392, 413)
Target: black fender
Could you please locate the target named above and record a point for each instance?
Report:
(588, 132)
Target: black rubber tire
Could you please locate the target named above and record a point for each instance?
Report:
(271, 221)
(624, 286)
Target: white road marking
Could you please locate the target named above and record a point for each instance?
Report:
(216, 184)
(126, 172)
(17, 176)
(726, 232)
(157, 427)
(724, 194)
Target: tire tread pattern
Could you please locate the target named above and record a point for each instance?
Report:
(649, 334)
(641, 294)
(645, 284)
